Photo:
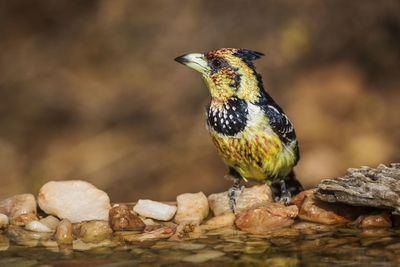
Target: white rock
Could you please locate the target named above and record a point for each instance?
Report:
(155, 210)
(74, 200)
(3, 220)
(258, 195)
(192, 208)
(20, 209)
(36, 226)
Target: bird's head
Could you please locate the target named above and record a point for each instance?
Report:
(228, 72)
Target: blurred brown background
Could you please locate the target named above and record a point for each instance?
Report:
(89, 89)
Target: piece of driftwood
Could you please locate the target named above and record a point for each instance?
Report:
(365, 186)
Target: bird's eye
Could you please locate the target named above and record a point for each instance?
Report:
(216, 63)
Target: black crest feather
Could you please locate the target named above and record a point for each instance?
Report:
(248, 56)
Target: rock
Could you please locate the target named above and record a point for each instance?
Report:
(74, 200)
(186, 231)
(121, 218)
(264, 219)
(50, 221)
(155, 210)
(191, 208)
(20, 209)
(315, 210)
(203, 256)
(3, 221)
(223, 220)
(376, 220)
(95, 231)
(364, 186)
(26, 238)
(298, 200)
(160, 233)
(255, 196)
(64, 232)
(36, 226)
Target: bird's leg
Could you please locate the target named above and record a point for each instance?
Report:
(285, 194)
(234, 192)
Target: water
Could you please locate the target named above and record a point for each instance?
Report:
(302, 245)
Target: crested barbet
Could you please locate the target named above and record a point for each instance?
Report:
(252, 134)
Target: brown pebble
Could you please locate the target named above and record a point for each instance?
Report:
(376, 220)
(20, 209)
(121, 218)
(64, 232)
(316, 210)
(95, 231)
(266, 218)
(300, 197)
(160, 233)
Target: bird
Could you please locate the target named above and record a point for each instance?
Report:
(250, 131)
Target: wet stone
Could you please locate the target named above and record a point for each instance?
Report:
(376, 220)
(191, 208)
(74, 200)
(224, 220)
(186, 231)
(26, 238)
(37, 226)
(95, 231)
(64, 232)
(161, 233)
(266, 218)
(20, 209)
(50, 221)
(121, 218)
(255, 196)
(315, 210)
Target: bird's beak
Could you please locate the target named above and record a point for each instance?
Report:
(195, 61)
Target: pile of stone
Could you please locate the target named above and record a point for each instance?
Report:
(76, 212)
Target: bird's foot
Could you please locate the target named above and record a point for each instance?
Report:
(233, 193)
(284, 194)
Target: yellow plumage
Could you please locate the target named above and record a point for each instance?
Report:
(256, 154)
